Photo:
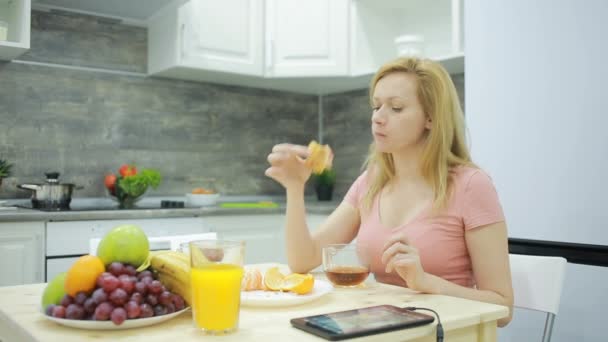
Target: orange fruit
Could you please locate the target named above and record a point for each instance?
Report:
(252, 280)
(298, 283)
(273, 279)
(83, 274)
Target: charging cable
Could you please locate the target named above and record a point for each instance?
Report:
(439, 326)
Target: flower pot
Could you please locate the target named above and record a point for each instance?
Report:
(324, 192)
(126, 201)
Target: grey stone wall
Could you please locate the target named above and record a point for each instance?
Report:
(347, 128)
(84, 124)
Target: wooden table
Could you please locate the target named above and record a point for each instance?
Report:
(463, 320)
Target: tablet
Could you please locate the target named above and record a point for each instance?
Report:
(361, 322)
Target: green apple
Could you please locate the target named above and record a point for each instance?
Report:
(126, 243)
(54, 290)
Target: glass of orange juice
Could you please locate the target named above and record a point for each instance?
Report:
(216, 274)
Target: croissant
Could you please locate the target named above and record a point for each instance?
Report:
(320, 157)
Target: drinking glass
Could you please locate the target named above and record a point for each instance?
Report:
(216, 274)
(345, 265)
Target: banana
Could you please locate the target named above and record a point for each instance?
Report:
(177, 286)
(173, 271)
(179, 255)
(172, 264)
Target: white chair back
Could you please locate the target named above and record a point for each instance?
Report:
(162, 242)
(538, 281)
(537, 285)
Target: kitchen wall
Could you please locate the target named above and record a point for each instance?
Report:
(347, 128)
(85, 123)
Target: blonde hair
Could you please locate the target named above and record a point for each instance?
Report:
(445, 145)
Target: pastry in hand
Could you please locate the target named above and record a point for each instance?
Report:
(320, 157)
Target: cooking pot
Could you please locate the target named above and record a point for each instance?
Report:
(52, 194)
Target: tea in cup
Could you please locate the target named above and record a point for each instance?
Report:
(345, 265)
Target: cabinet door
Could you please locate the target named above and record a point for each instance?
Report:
(261, 234)
(21, 253)
(222, 35)
(73, 237)
(56, 266)
(307, 38)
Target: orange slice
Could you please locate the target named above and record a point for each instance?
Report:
(273, 279)
(299, 283)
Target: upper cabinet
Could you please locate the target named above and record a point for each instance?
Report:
(211, 41)
(313, 46)
(306, 38)
(14, 28)
(376, 24)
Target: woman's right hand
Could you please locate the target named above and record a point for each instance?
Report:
(287, 165)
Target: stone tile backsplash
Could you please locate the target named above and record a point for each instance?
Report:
(85, 124)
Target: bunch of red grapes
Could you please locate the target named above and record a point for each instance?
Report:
(121, 293)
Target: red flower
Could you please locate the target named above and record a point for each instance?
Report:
(127, 170)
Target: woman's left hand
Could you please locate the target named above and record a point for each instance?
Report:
(400, 256)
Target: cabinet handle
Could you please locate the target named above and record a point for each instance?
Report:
(269, 54)
(182, 40)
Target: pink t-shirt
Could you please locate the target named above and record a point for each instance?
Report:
(440, 238)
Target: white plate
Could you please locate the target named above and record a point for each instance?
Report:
(276, 298)
(108, 325)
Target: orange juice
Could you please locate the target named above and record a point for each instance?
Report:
(216, 296)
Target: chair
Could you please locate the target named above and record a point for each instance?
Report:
(171, 242)
(537, 285)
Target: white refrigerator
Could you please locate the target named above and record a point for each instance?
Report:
(536, 85)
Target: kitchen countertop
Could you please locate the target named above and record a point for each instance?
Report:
(12, 214)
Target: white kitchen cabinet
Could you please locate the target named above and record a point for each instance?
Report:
(68, 240)
(376, 24)
(262, 235)
(21, 253)
(222, 36)
(16, 14)
(314, 47)
(307, 38)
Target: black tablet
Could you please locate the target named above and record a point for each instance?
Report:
(361, 322)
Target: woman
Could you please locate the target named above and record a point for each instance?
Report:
(431, 219)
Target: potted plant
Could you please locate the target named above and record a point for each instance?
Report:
(324, 184)
(5, 169)
(129, 184)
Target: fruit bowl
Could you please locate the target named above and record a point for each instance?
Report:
(109, 325)
(199, 200)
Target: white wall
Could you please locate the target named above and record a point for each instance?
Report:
(536, 78)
